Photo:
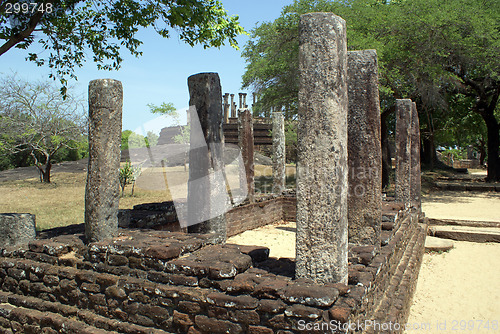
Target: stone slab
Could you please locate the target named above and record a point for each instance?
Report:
(466, 233)
(433, 244)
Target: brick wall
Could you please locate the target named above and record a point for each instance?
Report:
(170, 282)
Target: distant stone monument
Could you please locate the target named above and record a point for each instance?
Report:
(365, 152)
(16, 229)
(103, 186)
(322, 171)
(403, 150)
(206, 157)
(279, 153)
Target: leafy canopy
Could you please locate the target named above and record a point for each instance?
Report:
(66, 29)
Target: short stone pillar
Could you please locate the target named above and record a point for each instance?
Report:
(365, 151)
(279, 154)
(16, 229)
(322, 172)
(205, 95)
(246, 143)
(105, 134)
(415, 185)
(403, 150)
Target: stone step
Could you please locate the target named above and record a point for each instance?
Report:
(466, 233)
(457, 222)
(19, 309)
(433, 244)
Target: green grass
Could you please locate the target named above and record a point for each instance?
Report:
(61, 202)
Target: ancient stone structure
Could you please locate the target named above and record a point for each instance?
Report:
(415, 183)
(245, 140)
(102, 189)
(233, 107)
(279, 154)
(226, 107)
(321, 251)
(206, 186)
(16, 228)
(403, 150)
(365, 152)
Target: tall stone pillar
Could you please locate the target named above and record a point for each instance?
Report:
(204, 188)
(244, 95)
(226, 108)
(322, 149)
(245, 139)
(403, 150)
(103, 186)
(416, 186)
(279, 155)
(240, 95)
(365, 151)
(233, 107)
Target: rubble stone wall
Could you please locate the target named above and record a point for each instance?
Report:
(171, 282)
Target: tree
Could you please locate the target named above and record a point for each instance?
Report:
(425, 54)
(35, 118)
(68, 28)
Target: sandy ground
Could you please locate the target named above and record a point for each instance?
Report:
(457, 291)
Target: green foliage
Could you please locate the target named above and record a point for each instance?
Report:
(128, 175)
(443, 54)
(37, 122)
(131, 139)
(68, 29)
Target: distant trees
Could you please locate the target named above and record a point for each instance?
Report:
(36, 122)
(443, 54)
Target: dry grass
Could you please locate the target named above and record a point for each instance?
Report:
(61, 203)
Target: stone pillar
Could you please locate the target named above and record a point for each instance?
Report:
(403, 150)
(103, 185)
(233, 107)
(244, 95)
(240, 95)
(245, 139)
(205, 95)
(365, 151)
(226, 108)
(415, 186)
(16, 229)
(322, 149)
(253, 99)
(279, 167)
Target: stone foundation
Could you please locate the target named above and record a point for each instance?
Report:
(148, 281)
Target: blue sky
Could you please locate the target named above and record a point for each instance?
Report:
(160, 75)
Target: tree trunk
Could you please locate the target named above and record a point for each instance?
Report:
(386, 151)
(493, 146)
(429, 156)
(46, 174)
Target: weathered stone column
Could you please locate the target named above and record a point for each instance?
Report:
(103, 185)
(226, 108)
(365, 152)
(245, 139)
(244, 95)
(233, 107)
(322, 149)
(16, 229)
(205, 94)
(416, 186)
(240, 95)
(279, 155)
(403, 150)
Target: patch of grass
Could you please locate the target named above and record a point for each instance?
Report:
(62, 202)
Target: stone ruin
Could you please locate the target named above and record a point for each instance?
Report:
(357, 259)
